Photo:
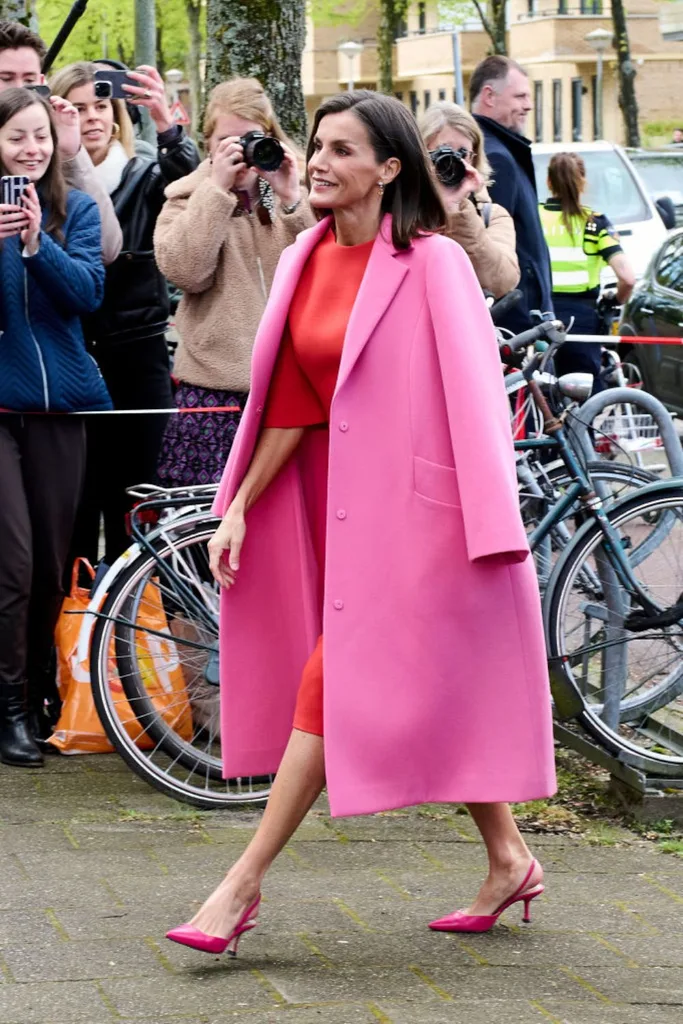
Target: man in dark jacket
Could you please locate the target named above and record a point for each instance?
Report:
(501, 100)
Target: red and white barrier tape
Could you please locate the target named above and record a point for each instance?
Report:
(127, 412)
(614, 339)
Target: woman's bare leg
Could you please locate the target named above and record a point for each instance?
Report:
(509, 856)
(298, 784)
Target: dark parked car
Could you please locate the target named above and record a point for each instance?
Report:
(656, 309)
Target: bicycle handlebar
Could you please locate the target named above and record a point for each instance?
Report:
(549, 329)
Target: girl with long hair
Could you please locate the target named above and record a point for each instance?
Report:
(51, 274)
(581, 242)
(128, 334)
(219, 238)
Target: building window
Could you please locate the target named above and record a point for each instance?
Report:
(557, 110)
(427, 98)
(399, 96)
(531, 6)
(594, 104)
(577, 109)
(422, 18)
(562, 7)
(401, 29)
(442, 95)
(538, 111)
(591, 6)
(414, 102)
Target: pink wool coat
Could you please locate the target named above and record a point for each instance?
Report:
(435, 678)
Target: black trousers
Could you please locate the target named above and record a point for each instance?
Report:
(122, 450)
(42, 464)
(579, 356)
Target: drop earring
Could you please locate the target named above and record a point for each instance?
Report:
(381, 186)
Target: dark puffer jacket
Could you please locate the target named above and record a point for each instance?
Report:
(44, 365)
(136, 303)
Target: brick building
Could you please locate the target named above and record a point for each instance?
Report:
(548, 37)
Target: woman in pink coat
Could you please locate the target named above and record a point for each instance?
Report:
(382, 514)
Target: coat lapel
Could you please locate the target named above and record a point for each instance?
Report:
(380, 283)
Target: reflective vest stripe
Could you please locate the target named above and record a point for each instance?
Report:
(562, 254)
(563, 278)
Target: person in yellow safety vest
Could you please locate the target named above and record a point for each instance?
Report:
(581, 241)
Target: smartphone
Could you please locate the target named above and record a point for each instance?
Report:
(12, 188)
(42, 90)
(112, 80)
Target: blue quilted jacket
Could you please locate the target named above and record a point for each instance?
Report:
(44, 366)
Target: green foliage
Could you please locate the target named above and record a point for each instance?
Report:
(108, 28)
(333, 12)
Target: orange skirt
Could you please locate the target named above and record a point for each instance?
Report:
(308, 714)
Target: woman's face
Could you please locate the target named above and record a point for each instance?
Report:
(231, 126)
(26, 145)
(97, 120)
(343, 169)
(456, 140)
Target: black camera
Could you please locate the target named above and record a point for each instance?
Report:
(262, 151)
(449, 166)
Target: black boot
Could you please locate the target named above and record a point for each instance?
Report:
(17, 746)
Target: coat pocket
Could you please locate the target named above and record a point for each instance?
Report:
(436, 482)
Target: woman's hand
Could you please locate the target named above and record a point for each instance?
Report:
(227, 162)
(470, 185)
(12, 220)
(151, 93)
(30, 236)
(68, 127)
(229, 537)
(285, 180)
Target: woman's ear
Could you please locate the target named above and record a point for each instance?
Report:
(392, 169)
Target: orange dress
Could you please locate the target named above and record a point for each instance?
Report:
(302, 387)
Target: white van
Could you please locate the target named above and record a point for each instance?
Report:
(615, 189)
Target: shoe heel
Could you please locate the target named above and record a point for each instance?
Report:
(231, 950)
(527, 911)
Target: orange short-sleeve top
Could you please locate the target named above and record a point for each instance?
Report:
(307, 366)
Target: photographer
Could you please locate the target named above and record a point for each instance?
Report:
(21, 56)
(219, 238)
(127, 336)
(51, 274)
(485, 230)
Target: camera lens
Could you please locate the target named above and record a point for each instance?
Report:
(262, 151)
(449, 166)
(103, 90)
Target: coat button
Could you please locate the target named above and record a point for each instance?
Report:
(338, 605)
(343, 426)
(341, 513)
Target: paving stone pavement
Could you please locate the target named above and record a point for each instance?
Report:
(96, 866)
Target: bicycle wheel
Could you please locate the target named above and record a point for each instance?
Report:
(154, 670)
(622, 663)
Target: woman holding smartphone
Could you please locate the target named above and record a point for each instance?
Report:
(128, 335)
(51, 274)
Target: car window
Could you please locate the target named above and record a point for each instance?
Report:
(662, 174)
(611, 190)
(670, 265)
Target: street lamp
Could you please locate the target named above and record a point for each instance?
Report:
(600, 39)
(351, 50)
(174, 78)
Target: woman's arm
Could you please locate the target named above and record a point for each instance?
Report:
(79, 173)
(626, 279)
(73, 275)
(275, 446)
(491, 250)
(190, 233)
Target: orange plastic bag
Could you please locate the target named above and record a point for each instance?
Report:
(79, 730)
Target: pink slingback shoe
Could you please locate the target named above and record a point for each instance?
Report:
(188, 935)
(461, 922)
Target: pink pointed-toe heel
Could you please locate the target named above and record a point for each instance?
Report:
(460, 922)
(188, 935)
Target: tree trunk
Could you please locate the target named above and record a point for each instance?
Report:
(627, 75)
(262, 39)
(194, 14)
(392, 13)
(493, 18)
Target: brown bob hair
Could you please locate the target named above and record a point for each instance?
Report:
(411, 198)
(53, 190)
